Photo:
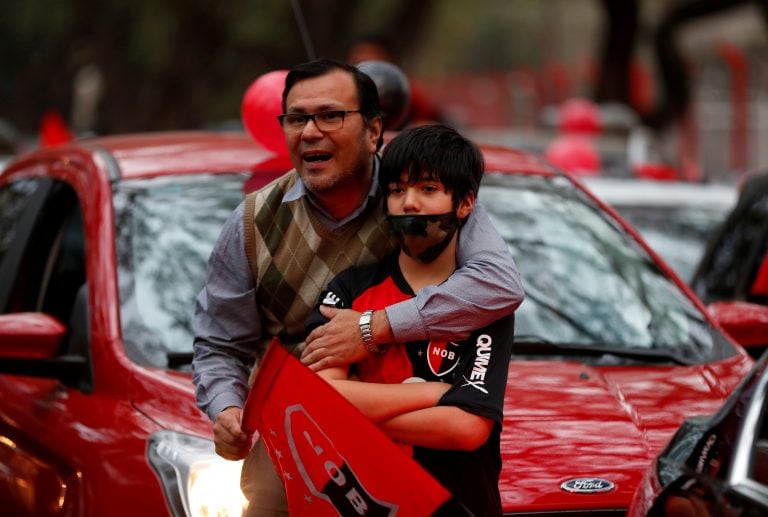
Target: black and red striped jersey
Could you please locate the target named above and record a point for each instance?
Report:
(476, 368)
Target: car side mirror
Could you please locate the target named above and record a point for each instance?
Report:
(30, 335)
(31, 345)
(746, 323)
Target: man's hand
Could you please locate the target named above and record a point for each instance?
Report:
(337, 343)
(232, 443)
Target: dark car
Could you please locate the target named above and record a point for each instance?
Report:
(734, 266)
(716, 465)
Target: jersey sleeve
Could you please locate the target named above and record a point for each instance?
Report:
(338, 294)
(348, 286)
(480, 384)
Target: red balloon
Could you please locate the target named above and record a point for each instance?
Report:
(262, 103)
(574, 153)
(579, 115)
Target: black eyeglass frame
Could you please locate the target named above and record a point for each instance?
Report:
(311, 116)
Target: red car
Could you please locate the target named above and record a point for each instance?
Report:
(103, 248)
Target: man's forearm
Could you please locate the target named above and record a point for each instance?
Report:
(381, 329)
(221, 379)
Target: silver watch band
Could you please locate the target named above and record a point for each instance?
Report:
(366, 332)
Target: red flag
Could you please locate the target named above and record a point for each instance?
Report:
(331, 458)
(53, 130)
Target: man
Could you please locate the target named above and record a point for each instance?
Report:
(452, 416)
(307, 226)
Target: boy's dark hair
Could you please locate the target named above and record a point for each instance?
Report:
(438, 151)
(367, 94)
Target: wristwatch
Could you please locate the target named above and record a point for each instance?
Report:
(366, 332)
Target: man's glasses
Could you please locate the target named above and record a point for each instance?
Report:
(324, 120)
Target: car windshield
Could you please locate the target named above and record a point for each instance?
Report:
(590, 287)
(166, 229)
(592, 293)
(678, 234)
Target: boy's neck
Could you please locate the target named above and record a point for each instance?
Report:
(419, 275)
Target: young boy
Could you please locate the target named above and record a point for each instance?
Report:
(445, 399)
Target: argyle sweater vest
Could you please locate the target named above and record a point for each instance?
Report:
(293, 256)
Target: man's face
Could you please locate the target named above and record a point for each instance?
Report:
(327, 160)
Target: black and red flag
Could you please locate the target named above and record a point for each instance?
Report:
(331, 458)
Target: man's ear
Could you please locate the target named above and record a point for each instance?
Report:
(375, 130)
(466, 205)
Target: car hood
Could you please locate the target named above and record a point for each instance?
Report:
(562, 421)
(168, 398)
(569, 421)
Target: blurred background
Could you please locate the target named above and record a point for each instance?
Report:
(683, 83)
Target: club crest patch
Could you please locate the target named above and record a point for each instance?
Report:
(442, 357)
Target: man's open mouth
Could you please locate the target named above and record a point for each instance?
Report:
(317, 157)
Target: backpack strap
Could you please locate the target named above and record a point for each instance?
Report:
(249, 213)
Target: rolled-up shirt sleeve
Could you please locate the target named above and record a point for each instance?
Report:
(226, 324)
(485, 287)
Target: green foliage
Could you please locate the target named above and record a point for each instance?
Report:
(165, 63)
(181, 64)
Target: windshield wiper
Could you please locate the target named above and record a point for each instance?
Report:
(533, 344)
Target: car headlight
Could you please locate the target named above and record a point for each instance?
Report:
(195, 479)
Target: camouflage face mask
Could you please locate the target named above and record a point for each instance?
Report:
(423, 237)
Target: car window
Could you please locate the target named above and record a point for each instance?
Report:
(166, 229)
(51, 269)
(14, 199)
(678, 234)
(588, 283)
(20, 203)
(732, 261)
(64, 275)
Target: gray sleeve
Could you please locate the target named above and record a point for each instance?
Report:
(485, 287)
(226, 324)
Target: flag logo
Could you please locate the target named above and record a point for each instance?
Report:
(325, 472)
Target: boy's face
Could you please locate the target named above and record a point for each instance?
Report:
(425, 197)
